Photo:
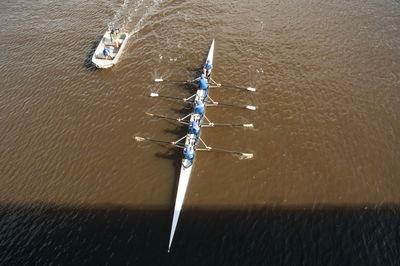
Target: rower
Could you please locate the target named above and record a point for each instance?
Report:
(207, 68)
(199, 107)
(194, 128)
(188, 152)
(203, 82)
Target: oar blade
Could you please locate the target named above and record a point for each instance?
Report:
(253, 108)
(246, 155)
(139, 139)
(158, 80)
(149, 114)
(248, 125)
(237, 87)
(153, 94)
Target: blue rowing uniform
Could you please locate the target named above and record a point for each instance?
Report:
(194, 128)
(199, 108)
(207, 67)
(203, 84)
(188, 153)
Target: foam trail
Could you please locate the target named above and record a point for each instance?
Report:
(136, 12)
(120, 16)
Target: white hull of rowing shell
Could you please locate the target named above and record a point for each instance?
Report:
(185, 171)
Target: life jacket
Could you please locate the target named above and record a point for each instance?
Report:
(106, 51)
(203, 84)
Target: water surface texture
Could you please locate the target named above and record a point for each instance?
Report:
(322, 189)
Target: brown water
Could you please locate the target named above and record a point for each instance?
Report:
(323, 187)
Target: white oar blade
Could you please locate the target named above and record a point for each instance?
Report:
(251, 107)
(137, 138)
(251, 89)
(153, 94)
(248, 125)
(158, 80)
(246, 155)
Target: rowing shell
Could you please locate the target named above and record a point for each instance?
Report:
(187, 164)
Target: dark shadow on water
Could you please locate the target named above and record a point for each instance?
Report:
(88, 60)
(117, 235)
(196, 72)
(179, 131)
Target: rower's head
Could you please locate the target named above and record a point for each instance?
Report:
(202, 76)
(208, 61)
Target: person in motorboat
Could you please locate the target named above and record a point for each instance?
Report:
(194, 128)
(107, 53)
(114, 37)
(207, 68)
(188, 152)
(199, 107)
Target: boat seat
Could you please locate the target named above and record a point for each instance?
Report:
(109, 44)
(101, 56)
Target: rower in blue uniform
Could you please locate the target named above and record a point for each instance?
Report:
(203, 82)
(188, 152)
(199, 107)
(194, 128)
(207, 68)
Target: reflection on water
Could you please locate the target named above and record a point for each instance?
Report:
(118, 235)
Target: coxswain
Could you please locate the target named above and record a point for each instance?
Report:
(188, 152)
(194, 128)
(207, 68)
(199, 107)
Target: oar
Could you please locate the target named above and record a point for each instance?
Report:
(140, 139)
(161, 116)
(237, 87)
(166, 117)
(168, 97)
(245, 155)
(227, 125)
(170, 80)
(231, 86)
(250, 107)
